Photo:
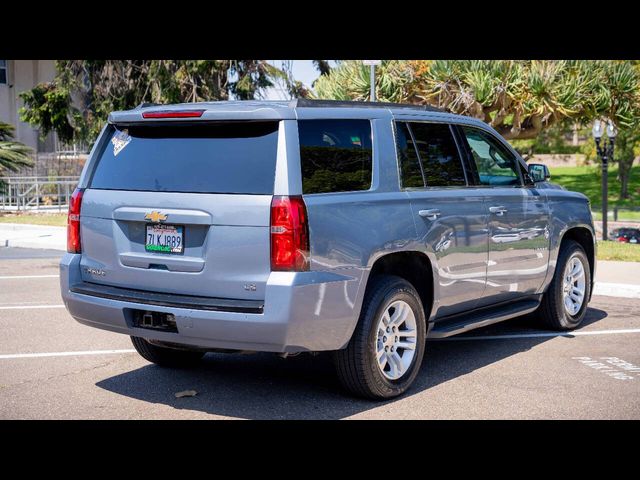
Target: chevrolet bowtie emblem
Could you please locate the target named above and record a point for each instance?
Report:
(155, 217)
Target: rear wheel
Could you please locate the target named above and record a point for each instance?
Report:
(385, 352)
(164, 356)
(564, 305)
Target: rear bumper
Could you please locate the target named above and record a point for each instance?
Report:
(303, 311)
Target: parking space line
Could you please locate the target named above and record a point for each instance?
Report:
(18, 277)
(65, 354)
(538, 335)
(21, 307)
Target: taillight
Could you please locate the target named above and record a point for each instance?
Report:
(289, 234)
(73, 222)
(173, 114)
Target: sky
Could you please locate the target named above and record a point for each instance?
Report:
(303, 70)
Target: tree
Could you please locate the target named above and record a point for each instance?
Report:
(350, 80)
(517, 97)
(77, 102)
(13, 155)
(322, 66)
(627, 148)
(521, 99)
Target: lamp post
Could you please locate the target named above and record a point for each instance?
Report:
(372, 77)
(605, 152)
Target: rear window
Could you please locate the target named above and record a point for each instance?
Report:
(238, 157)
(336, 155)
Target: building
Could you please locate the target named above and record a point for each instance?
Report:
(17, 76)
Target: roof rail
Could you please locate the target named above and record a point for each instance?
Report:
(312, 103)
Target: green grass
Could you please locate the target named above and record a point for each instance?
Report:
(53, 219)
(626, 252)
(587, 180)
(628, 215)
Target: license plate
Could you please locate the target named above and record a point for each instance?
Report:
(164, 239)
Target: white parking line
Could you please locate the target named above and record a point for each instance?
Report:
(483, 337)
(537, 335)
(24, 307)
(17, 277)
(65, 354)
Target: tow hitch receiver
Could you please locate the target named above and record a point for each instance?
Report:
(154, 320)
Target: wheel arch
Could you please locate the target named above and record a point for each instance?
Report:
(586, 239)
(413, 266)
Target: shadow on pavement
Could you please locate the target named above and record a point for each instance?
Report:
(263, 386)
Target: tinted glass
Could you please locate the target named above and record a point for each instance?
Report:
(3, 71)
(496, 165)
(336, 155)
(410, 174)
(235, 157)
(438, 152)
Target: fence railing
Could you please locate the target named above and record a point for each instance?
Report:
(36, 193)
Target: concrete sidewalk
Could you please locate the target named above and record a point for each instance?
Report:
(617, 279)
(33, 236)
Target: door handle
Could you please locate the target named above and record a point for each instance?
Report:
(430, 214)
(500, 210)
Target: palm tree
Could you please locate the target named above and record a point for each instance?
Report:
(13, 155)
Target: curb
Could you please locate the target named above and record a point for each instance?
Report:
(624, 290)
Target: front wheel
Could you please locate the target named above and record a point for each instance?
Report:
(385, 352)
(564, 304)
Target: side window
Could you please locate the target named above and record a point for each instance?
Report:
(4, 78)
(438, 153)
(496, 165)
(335, 155)
(410, 173)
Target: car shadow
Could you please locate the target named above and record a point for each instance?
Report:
(263, 386)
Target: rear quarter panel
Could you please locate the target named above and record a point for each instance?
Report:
(350, 230)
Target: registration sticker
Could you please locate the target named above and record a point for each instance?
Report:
(120, 140)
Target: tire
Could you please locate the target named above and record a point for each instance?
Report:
(552, 312)
(164, 356)
(357, 365)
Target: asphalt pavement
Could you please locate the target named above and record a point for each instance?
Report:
(54, 368)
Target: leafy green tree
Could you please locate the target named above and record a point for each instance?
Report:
(322, 66)
(627, 148)
(530, 101)
(77, 102)
(350, 80)
(13, 155)
(517, 97)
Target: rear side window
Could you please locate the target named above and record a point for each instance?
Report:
(410, 172)
(335, 155)
(231, 157)
(429, 150)
(438, 153)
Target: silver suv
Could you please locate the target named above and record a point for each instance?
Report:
(308, 226)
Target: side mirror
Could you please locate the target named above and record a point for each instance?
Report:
(539, 172)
